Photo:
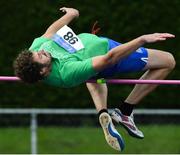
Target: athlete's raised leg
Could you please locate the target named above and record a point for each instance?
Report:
(159, 65)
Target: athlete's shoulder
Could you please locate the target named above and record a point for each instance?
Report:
(87, 34)
(36, 44)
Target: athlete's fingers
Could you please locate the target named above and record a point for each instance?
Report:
(63, 9)
(167, 35)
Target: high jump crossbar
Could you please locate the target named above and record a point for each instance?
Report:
(111, 81)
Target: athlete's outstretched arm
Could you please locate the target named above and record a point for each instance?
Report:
(119, 52)
(70, 14)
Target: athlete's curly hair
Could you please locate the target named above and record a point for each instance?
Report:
(26, 69)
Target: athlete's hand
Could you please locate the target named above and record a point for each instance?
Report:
(155, 37)
(71, 11)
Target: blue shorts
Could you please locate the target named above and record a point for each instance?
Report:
(134, 62)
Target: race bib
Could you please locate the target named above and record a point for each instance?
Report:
(67, 39)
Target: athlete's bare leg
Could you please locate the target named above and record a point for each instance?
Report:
(160, 64)
(99, 95)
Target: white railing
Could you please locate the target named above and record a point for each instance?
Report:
(34, 112)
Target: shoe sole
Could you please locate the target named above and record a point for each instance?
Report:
(112, 138)
(126, 128)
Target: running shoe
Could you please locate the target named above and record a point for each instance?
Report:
(113, 138)
(127, 122)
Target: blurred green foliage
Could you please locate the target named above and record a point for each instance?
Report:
(121, 20)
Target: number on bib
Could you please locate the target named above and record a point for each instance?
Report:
(67, 39)
(70, 38)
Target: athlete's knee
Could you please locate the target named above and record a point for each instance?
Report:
(170, 61)
(92, 87)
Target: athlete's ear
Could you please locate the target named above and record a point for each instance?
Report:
(42, 71)
(45, 71)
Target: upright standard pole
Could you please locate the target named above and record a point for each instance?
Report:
(33, 133)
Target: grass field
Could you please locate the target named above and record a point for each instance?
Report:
(158, 139)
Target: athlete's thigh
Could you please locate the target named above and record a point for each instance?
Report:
(157, 59)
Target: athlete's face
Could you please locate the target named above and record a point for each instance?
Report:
(43, 58)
